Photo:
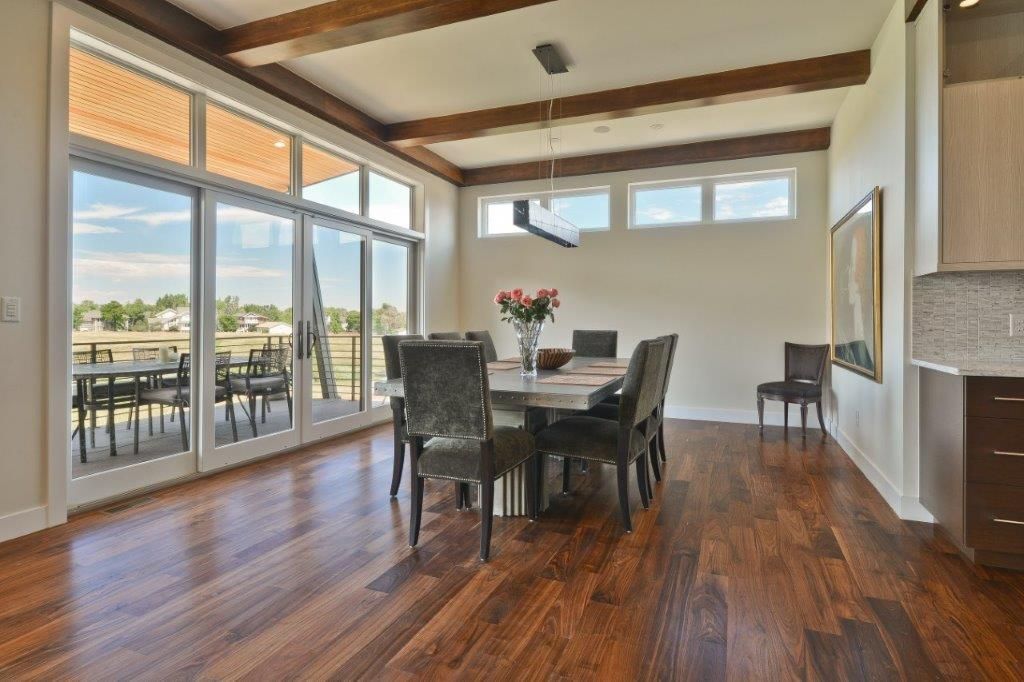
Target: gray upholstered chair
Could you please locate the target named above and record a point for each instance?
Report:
(805, 373)
(484, 337)
(444, 336)
(447, 399)
(618, 443)
(657, 430)
(393, 370)
(595, 343)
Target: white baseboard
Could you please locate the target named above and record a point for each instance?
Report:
(708, 414)
(22, 523)
(911, 509)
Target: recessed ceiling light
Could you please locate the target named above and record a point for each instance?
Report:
(601, 130)
(280, 144)
(657, 126)
(969, 3)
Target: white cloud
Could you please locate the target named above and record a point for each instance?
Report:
(121, 265)
(778, 206)
(661, 215)
(104, 212)
(90, 228)
(157, 218)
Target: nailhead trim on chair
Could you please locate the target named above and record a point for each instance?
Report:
(483, 395)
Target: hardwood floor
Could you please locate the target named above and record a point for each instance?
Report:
(759, 559)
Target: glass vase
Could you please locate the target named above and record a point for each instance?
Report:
(528, 335)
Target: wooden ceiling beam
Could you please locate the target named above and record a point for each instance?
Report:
(343, 23)
(804, 75)
(180, 29)
(696, 152)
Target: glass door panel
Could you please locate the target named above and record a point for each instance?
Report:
(250, 377)
(390, 307)
(132, 307)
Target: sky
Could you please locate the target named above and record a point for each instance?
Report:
(131, 241)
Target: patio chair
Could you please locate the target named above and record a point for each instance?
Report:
(267, 374)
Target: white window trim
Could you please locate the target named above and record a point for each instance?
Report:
(544, 198)
(707, 185)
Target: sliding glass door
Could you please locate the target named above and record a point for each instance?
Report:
(392, 299)
(253, 288)
(132, 305)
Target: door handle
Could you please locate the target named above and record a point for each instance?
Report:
(300, 346)
(310, 339)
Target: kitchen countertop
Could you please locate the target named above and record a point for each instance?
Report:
(971, 368)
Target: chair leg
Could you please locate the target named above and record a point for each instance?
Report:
(486, 517)
(135, 437)
(184, 431)
(566, 469)
(803, 419)
(584, 466)
(252, 414)
(162, 418)
(641, 480)
(622, 470)
(230, 409)
(661, 442)
(458, 496)
(760, 413)
(531, 487)
(263, 410)
(652, 448)
(821, 418)
(785, 415)
(415, 507)
(467, 501)
(396, 467)
(288, 399)
(149, 413)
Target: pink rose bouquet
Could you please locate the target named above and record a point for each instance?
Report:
(516, 305)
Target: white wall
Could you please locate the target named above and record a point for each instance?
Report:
(24, 79)
(871, 145)
(24, 33)
(734, 293)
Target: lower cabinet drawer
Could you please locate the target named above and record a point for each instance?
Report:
(995, 517)
(994, 397)
(995, 451)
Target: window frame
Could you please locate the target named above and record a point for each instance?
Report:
(364, 194)
(708, 185)
(544, 198)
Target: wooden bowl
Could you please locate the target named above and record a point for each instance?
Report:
(553, 358)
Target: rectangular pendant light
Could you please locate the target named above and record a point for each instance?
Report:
(538, 220)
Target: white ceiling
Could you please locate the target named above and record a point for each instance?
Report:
(610, 43)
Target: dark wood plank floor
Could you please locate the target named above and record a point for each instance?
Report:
(760, 559)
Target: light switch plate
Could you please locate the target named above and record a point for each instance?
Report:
(1016, 324)
(10, 309)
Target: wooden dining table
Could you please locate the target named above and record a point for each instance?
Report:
(530, 402)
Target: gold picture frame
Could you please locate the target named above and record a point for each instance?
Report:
(855, 283)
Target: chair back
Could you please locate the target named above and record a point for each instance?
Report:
(446, 389)
(222, 363)
(806, 363)
(269, 361)
(595, 343)
(81, 357)
(444, 336)
(392, 365)
(183, 373)
(145, 353)
(642, 386)
(671, 341)
(484, 337)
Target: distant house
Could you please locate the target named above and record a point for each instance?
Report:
(274, 328)
(172, 319)
(247, 322)
(92, 321)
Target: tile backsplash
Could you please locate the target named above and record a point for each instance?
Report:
(966, 316)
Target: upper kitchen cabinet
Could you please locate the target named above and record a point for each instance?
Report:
(969, 94)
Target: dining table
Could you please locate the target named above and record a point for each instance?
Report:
(136, 370)
(533, 402)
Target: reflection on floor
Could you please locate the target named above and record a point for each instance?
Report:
(169, 442)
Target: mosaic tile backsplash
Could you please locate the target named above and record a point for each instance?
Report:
(966, 316)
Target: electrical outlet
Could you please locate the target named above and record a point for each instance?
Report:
(1016, 324)
(10, 309)
(856, 418)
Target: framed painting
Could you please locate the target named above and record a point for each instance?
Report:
(855, 273)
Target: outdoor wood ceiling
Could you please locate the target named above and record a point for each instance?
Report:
(116, 105)
(241, 148)
(347, 22)
(319, 165)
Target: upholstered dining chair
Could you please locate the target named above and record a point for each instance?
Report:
(444, 336)
(393, 370)
(657, 445)
(595, 343)
(805, 373)
(447, 399)
(484, 337)
(618, 443)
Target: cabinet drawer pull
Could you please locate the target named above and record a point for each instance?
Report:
(1001, 399)
(1009, 521)
(1008, 454)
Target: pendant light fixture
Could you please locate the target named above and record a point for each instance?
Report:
(529, 215)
